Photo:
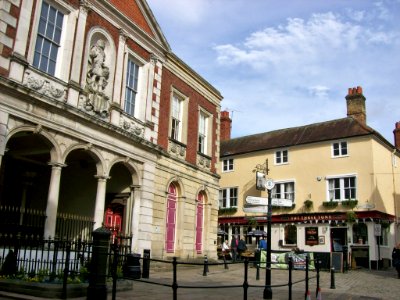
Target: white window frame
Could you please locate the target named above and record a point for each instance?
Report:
(204, 132)
(230, 197)
(284, 188)
(139, 106)
(341, 188)
(181, 135)
(228, 165)
(65, 50)
(340, 149)
(283, 157)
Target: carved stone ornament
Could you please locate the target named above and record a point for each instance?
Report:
(132, 127)
(97, 80)
(44, 86)
(177, 149)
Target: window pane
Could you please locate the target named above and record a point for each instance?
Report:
(48, 39)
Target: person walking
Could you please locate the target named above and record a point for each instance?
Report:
(234, 244)
(396, 258)
(241, 247)
(262, 245)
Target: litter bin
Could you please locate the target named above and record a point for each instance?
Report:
(146, 263)
(131, 267)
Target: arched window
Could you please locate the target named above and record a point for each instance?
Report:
(171, 218)
(199, 222)
(290, 235)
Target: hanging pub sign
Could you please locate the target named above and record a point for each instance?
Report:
(311, 236)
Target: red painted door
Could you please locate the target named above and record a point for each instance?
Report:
(171, 219)
(199, 223)
(113, 220)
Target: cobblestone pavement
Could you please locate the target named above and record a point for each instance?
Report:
(360, 284)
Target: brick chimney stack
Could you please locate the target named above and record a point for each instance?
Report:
(226, 125)
(356, 105)
(396, 133)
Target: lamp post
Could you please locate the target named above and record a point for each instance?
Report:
(269, 185)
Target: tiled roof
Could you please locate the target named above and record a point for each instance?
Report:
(317, 132)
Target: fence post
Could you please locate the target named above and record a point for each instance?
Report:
(290, 283)
(307, 261)
(205, 266)
(174, 282)
(97, 289)
(317, 267)
(146, 263)
(258, 272)
(333, 278)
(66, 270)
(114, 270)
(245, 283)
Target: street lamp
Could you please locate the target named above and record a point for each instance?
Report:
(268, 184)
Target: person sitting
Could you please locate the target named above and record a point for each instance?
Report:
(225, 248)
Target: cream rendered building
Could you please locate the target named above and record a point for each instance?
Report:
(317, 168)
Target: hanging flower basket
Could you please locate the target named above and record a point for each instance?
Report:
(308, 204)
(351, 216)
(330, 203)
(227, 211)
(349, 203)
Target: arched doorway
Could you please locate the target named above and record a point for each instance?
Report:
(24, 183)
(77, 197)
(170, 226)
(119, 203)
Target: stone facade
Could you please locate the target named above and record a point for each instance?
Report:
(85, 124)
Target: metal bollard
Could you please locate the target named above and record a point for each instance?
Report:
(258, 272)
(225, 264)
(205, 266)
(333, 278)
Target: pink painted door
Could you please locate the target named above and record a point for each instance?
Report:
(199, 223)
(171, 219)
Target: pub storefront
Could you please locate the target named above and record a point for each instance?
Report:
(356, 240)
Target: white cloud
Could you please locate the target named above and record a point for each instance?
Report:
(319, 91)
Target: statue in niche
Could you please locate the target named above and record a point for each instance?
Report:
(96, 79)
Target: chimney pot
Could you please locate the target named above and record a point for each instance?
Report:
(396, 133)
(356, 104)
(225, 127)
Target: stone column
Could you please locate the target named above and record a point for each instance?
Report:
(100, 201)
(3, 133)
(52, 200)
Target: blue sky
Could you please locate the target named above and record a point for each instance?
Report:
(281, 64)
